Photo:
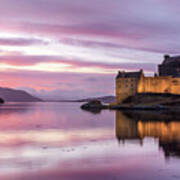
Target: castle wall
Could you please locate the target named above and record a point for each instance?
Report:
(125, 87)
(175, 85)
(154, 85)
(160, 84)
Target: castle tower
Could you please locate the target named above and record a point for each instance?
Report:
(170, 66)
(127, 84)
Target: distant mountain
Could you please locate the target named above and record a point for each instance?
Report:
(104, 99)
(12, 95)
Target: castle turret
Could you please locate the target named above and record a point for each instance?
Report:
(170, 66)
(127, 84)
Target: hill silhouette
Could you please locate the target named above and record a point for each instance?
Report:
(13, 95)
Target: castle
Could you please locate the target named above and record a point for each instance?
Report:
(167, 80)
(167, 133)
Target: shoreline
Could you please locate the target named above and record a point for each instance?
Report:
(88, 106)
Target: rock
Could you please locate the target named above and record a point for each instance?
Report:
(2, 101)
(94, 104)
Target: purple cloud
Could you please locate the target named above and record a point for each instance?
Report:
(21, 41)
(137, 32)
(24, 60)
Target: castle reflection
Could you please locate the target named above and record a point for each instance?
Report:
(130, 125)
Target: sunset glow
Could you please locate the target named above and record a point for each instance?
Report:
(89, 90)
(84, 39)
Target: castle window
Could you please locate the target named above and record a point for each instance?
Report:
(175, 82)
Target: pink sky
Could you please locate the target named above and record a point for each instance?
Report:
(73, 49)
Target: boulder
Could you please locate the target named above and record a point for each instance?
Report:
(93, 104)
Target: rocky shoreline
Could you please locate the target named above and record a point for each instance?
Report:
(97, 105)
(90, 105)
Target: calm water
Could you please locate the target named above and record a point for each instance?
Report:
(52, 141)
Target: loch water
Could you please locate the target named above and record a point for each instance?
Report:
(59, 141)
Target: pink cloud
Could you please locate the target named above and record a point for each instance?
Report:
(114, 26)
(59, 85)
(22, 60)
(20, 41)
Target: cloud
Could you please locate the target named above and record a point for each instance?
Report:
(59, 85)
(21, 41)
(25, 60)
(91, 79)
(98, 36)
(161, 38)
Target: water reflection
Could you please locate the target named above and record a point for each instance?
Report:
(60, 141)
(138, 125)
